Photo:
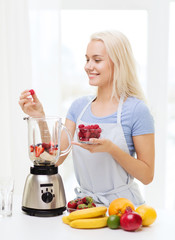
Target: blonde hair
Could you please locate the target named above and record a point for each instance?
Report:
(125, 80)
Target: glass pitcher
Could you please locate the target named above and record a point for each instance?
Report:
(44, 138)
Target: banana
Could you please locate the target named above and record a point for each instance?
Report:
(65, 220)
(87, 213)
(89, 223)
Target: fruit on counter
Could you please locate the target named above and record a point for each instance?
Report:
(113, 221)
(130, 220)
(147, 213)
(72, 204)
(87, 218)
(81, 203)
(32, 91)
(119, 205)
(88, 213)
(87, 200)
(89, 131)
(82, 206)
(89, 223)
(66, 220)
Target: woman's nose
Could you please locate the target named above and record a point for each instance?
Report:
(89, 65)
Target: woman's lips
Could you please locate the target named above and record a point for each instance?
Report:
(92, 75)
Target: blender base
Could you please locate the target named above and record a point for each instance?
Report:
(44, 212)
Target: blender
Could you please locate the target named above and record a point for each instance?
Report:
(44, 193)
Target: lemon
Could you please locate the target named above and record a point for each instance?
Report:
(113, 221)
(147, 213)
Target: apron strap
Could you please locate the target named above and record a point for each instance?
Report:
(100, 197)
(96, 197)
(89, 102)
(119, 111)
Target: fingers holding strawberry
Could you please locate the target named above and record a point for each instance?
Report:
(30, 104)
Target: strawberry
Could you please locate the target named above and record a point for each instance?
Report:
(32, 91)
(38, 151)
(82, 206)
(87, 200)
(96, 126)
(80, 202)
(99, 130)
(93, 135)
(51, 144)
(72, 204)
(92, 130)
(31, 148)
(45, 146)
(51, 151)
(81, 126)
(93, 204)
(87, 134)
(80, 135)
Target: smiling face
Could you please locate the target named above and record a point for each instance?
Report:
(99, 67)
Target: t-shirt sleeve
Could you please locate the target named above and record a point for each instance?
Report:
(142, 120)
(76, 108)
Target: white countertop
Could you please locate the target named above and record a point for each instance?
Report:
(24, 227)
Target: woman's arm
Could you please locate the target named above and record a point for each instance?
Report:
(141, 167)
(71, 126)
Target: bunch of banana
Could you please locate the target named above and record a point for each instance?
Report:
(87, 218)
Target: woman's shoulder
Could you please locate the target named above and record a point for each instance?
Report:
(133, 100)
(139, 116)
(135, 104)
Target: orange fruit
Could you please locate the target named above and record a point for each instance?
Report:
(147, 213)
(119, 205)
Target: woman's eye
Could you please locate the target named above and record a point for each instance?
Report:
(97, 60)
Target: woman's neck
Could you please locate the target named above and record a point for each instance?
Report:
(104, 95)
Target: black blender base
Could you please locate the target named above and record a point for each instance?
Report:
(44, 212)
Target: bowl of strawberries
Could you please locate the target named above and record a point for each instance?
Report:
(80, 203)
(85, 132)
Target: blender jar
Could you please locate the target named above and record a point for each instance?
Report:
(44, 140)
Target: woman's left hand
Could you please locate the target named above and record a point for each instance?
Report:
(97, 145)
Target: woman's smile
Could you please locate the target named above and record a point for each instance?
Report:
(93, 75)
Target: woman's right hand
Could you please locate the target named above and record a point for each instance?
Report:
(31, 105)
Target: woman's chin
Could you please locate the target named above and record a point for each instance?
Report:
(93, 83)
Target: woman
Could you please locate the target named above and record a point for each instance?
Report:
(106, 168)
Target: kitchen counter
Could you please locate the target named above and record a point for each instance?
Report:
(24, 227)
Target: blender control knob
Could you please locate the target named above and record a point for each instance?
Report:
(47, 197)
